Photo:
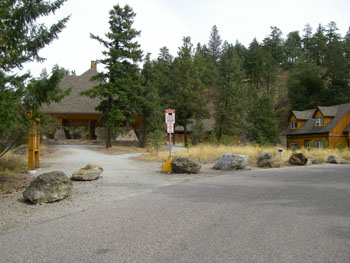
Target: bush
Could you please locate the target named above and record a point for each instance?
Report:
(157, 138)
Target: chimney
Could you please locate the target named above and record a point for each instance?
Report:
(93, 65)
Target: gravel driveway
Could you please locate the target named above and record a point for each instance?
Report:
(123, 177)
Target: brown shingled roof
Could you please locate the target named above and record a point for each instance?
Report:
(74, 102)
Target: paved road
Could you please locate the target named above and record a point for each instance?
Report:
(299, 214)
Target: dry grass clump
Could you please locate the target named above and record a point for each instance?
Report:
(209, 153)
(11, 163)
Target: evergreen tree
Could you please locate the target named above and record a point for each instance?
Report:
(262, 120)
(214, 45)
(162, 69)
(307, 42)
(150, 109)
(293, 48)
(185, 88)
(305, 87)
(319, 42)
(254, 64)
(21, 39)
(120, 85)
(229, 95)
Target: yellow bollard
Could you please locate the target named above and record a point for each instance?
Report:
(167, 166)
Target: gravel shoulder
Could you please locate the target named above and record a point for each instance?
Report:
(123, 177)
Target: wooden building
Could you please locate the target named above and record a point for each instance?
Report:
(323, 127)
(75, 109)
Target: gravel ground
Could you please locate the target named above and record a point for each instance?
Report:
(123, 177)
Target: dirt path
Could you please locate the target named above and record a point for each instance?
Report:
(123, 177)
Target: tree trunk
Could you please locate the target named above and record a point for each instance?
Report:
(143, 136)
(108, 137)
(185, 132)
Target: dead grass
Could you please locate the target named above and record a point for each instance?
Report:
(208, 153)
(11, 173)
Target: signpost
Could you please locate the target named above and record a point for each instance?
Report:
(170, 123)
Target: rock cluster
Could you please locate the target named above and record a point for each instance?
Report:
(229, 162)
(184, 165)
(48, 187)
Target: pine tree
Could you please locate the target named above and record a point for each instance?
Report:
(293, 49)
(150, 109)
(307, 42)
(262, 120)
(214, 45)
(21, 39)
(229, 95)
(121, 83)
(185, 88)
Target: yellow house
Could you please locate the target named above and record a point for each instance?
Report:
(323, 127)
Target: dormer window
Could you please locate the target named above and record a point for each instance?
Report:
(294, 125)
(319, 122)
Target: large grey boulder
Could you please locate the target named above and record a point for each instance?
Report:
(298, 159)
(265, 160)
(230, 161)
(89, 173)
(48, 187)
(335, 159)
(184, 165)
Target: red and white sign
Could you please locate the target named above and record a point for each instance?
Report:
(170, 127)
(170, 116)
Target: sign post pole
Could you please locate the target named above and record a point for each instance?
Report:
(169, 120)
(170, 145)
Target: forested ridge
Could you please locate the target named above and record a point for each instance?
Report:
(254, 88)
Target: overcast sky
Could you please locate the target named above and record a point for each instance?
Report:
(166, 22)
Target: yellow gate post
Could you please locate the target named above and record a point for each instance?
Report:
(34, 146)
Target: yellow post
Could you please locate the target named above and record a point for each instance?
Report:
(34, 146)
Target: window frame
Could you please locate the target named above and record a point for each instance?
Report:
(319, 122)
(293, 125)
(308, 145)
(319, 144)
(293, 145)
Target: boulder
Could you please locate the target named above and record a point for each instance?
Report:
(89, 173)
(184, 165)
(335, 159)
(298, 159)
(265, 159)
(48, 187)
(231, 161)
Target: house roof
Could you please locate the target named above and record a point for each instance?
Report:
(337, 112)
(75, 103)
(328, 111)
(303, 115)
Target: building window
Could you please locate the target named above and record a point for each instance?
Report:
(319, 144)
(319, 122)
(293, 125)
(294, 145)
(308, 145)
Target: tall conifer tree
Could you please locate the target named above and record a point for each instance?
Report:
(120, 85)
